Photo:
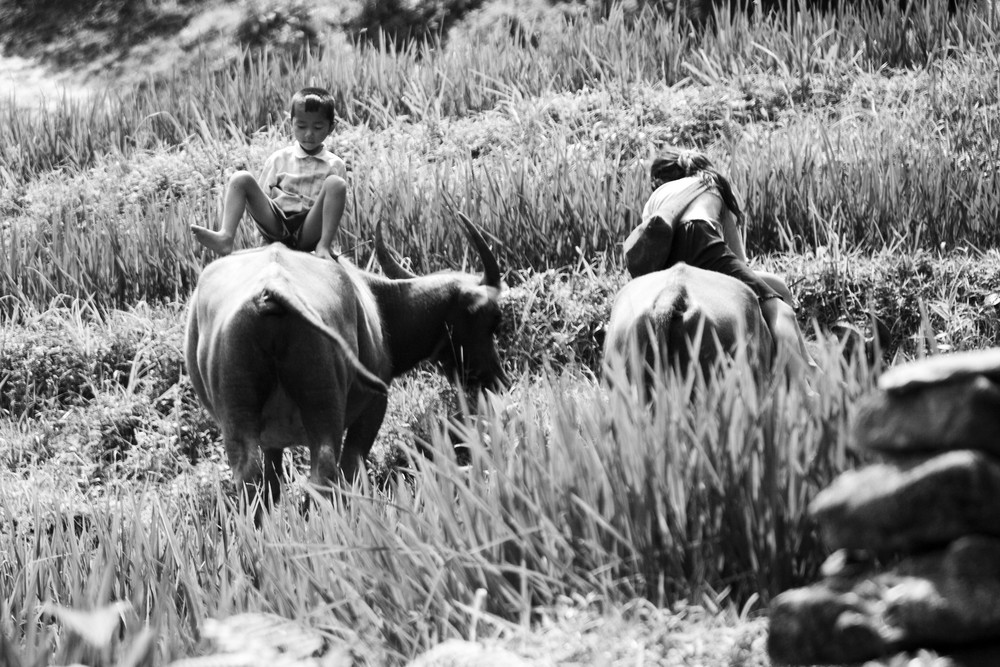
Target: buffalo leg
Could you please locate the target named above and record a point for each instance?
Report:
(325, 431)
(245, 461)
(361, 436)
(273, 473)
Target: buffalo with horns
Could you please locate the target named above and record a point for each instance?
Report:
(284, 348)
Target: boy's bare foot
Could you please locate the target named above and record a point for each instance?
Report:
(216, 241)
(324, 253)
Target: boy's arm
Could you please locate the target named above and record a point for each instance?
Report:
(733, 235)
(268, 175)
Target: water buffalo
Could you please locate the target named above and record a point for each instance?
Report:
(686, 314)
(284, 348)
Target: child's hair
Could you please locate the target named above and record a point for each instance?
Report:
(313, 99)
(674, 163)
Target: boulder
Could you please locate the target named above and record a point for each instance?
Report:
(962, 413)
(912, 504)
(947, 599)
(941, 369)
(818, 625)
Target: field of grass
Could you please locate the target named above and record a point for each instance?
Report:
(865, 143)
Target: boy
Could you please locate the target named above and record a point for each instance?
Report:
(693, 216)
(300, 196)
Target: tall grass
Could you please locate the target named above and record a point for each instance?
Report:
(551, 201)
(569, 488)
(820, 119)
(544, 146)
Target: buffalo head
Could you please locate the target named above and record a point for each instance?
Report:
(462, 313)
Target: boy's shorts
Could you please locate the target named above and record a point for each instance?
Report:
(291, 226)
(700, 244)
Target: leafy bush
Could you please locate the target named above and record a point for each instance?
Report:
(195, 433)
(45, 374)
(63, 360)
(284, 26)
(957, 295)
(558, 318)
(401, 24)
(72, 33)
(118, 419)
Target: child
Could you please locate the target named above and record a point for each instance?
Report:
(300, 196)
(693, 216)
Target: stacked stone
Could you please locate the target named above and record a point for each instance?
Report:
(917, 534)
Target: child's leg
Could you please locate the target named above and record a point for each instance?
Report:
(700, 241)
(242, 194)
(322, 223)
(777, 283)
(785, 321)
(780, 319)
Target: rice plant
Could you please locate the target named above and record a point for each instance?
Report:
(115, 493)
(569, 487)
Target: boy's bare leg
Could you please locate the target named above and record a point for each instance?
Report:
(242, 194)
(777, 283)
(322, 223)
(780, 319)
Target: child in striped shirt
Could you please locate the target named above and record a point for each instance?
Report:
(300, 196)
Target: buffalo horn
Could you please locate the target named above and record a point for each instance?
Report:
(387, 259)
(491, 270)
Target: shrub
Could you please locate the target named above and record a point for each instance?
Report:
(44, 374)
(557, 317)
(118, 419)
(72, 33)
(284, 26)
(64, 361)
(401, 24)
(196, 434)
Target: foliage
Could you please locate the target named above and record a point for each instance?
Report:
(565, 492)
(546, 154)
(281, 26)
(71, 33)
(862, 140)
(931, 304)
(557, 318)
(403, 24)
(65, 356)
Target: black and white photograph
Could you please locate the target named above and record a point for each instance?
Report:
(499, 333)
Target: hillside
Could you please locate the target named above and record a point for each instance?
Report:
(865, 145)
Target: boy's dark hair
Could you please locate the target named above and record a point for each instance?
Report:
(674, 163)
(313, 99)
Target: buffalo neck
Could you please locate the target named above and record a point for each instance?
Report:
(414, 315)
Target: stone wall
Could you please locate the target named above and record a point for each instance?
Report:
(916, 534)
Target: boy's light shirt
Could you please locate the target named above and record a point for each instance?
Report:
(294, 179)
(671, 200)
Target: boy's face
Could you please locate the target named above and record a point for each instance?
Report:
(310, 129)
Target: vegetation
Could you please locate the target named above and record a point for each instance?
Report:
(537, 123)
(543, 145)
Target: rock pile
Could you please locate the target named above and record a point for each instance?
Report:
(917, 535)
